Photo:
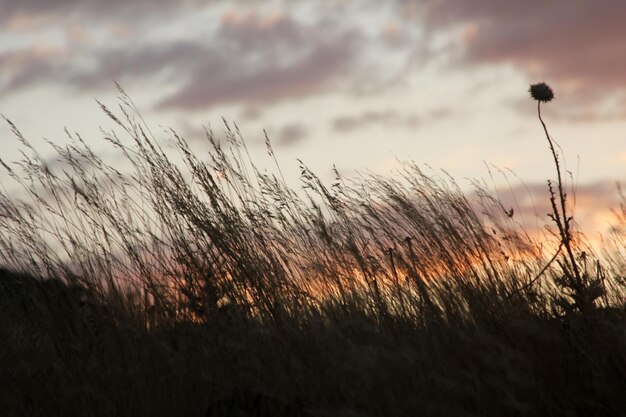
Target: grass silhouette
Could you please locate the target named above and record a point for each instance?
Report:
(209, 287)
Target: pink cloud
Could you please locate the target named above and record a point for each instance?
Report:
(592, 204)
(252, 58)
(578, 44)
(27, 10)
(270, 58)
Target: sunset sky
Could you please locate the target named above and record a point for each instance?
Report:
(351, 83)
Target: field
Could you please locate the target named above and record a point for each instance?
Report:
(209, 287)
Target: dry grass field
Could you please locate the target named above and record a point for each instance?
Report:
(209, 287)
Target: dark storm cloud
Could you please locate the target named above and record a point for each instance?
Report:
(577, 42)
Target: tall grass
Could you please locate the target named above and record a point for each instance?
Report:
(199, 284)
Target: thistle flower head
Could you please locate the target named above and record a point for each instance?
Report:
(541, 92)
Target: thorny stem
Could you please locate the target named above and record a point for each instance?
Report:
(562, 220)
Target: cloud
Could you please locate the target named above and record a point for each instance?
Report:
(593, 204)
(20, 67)
(292, 134)
(246, 30)
(269, 59)
(173, 59)
(223, 81)
(87, 71)
(386, 118)
(371, 117)
(576, 43)
(16, 13)
(394, 35)
(249, 58)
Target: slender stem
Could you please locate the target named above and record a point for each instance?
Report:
(562, 221)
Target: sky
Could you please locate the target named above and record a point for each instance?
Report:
(355, 84)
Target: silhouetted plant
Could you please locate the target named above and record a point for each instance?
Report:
(581, 287)
(224, 291)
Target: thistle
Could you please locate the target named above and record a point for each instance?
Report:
(541, 92)
(582, 289)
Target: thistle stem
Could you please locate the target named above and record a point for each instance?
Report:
(562, 220)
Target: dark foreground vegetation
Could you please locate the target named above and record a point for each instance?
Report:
(207, 287)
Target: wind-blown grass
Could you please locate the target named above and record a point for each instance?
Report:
(198, 284)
